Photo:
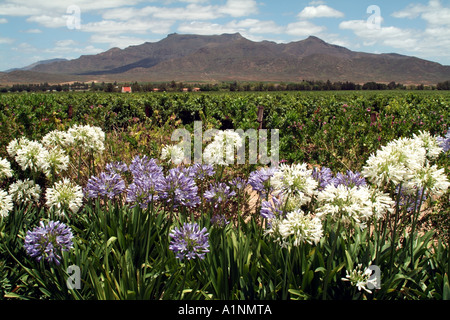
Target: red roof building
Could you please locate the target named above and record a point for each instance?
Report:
(126, 89)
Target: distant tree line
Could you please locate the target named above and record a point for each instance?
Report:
(233, 86)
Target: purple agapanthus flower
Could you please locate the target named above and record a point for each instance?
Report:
(444, 142)
(350, 179)
(219, 193)
(200, 171)
(260, 180)
(48, 241)
(238, 183)
(144, 189)
(144, 166)
(105, 185)
(272, 208)
(323, 176)
(116, 167)
(189, 242)
(148, 178)
(179, 189)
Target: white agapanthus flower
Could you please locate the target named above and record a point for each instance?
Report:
(57, 138)
(357, 204)
(430, 177)
(381, 202)
(221, 150)
(6, 203)
(5, 169)
(15, 145)
(298, 228)
(53, 162)
(394, 162)
(25, 191)
(294, 180)
(407, 161)
(360, 278)
(172, 153)
(429, 143)
(89, 138)
(64, 195)
(28, 155)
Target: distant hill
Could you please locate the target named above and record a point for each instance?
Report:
(232, 57)
(31, 66)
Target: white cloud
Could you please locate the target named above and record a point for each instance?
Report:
(3, 20)
(321, 11)
(33, 31)
(433, 41)
(10, 9)
(257, 26)
(392, 36)
(49, 21)
(207, 28)
(6, 40)
(26, 7)
(433, 13)
(316, 2)
(111, 27)
(303, 28)
(239, 8)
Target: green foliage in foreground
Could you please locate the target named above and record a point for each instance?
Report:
(123, 254)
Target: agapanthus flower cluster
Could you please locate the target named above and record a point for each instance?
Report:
(408, 161)
(6, 203)
(5, 169)
(49, 155)
(28, 155)
(221, 150)
(15, 145)
(48, 241)
(178, 189)
(89, 138)
(296, 228)
(189, 241)
(25, 191)
(430, 177)
(238, 184)
(360, 278)
(219, 193)
(350, 179)
(272, 208)
(144, 166)
(173, 154)
(64, 196)
(295, 180)
(259, 180)
(324, 176)
(147, 181)
(358, 204)
(53, 161)
(57, 138)
(199, 171)
(117, 167)
(105, 184)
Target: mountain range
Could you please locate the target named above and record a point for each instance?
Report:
(231, 57)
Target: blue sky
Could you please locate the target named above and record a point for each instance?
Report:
(31, 31)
